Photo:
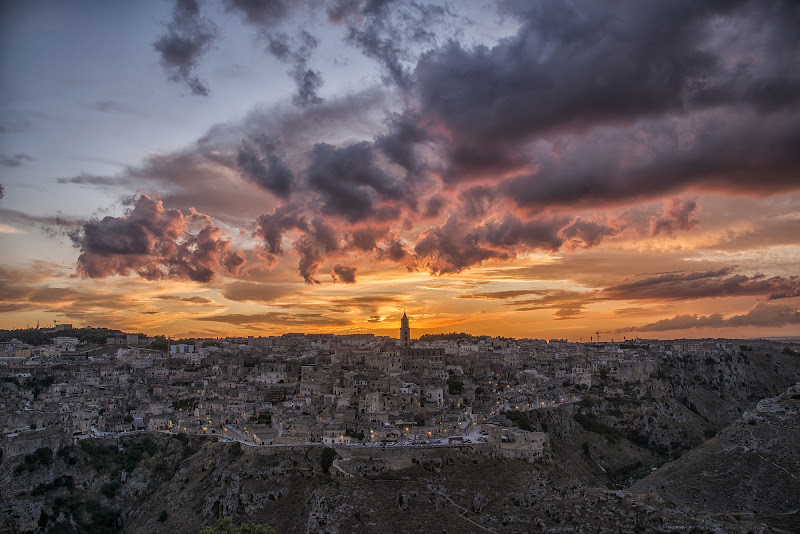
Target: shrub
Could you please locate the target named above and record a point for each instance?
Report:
(110, 490)
(520, 419)
(41, 457)
(591, 424)
(326, 461)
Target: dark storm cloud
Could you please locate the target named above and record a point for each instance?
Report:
(313, 248)
(572, 68)
(761, 315)
(366, 239)
(155, 244)
(433, 207)
(344, 273)
(352, 185)
(512, 232)
(453, 247)
(263, 165)
(705, 284)
(189, 36)
(400, 141)
(678, 215)
(317, 241)
(271, 227)
(17, 160)
(395, 250)
(717, 150)
(582, 233)
(580, 62)
(588, 106)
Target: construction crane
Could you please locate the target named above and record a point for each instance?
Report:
(601, 332)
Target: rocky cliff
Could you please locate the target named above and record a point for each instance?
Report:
(751, 469)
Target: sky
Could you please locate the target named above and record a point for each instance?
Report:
(574, 169)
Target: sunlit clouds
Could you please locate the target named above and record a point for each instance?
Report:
(566, 169)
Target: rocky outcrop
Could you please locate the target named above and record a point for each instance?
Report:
(751, 469)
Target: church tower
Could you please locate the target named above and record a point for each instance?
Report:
(405, 332)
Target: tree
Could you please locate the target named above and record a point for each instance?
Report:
(160, 343)
(328, 455)
(224, 526)
(455, 386)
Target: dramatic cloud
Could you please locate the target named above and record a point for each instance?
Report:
(761, 315)
(155, 244)
(678, 215)
(17, 160)
(263, 165)
(583, 106)
(451, 248)
(189, 36)
(308, 81)
(317, 242)
(706, 284)
(583, 141)
(344, 274)
(265, 17)
(353, 186)
(389, 32)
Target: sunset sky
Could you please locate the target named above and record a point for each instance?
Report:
(518, 168)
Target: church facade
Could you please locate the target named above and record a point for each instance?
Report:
(420, 361)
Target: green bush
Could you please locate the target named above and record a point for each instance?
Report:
(110, 489)
(41, 457)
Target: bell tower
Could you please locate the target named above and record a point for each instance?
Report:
(405, 332)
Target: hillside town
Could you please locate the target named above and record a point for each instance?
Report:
(298, 389)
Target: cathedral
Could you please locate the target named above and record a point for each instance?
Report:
(405, 332)
(421, 360)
